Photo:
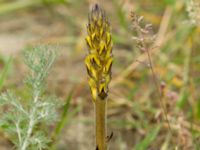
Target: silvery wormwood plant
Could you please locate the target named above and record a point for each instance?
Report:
(20, 117)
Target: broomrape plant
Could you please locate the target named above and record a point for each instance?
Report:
(22, 117)
(98, 63)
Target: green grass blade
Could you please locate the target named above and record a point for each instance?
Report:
(4, 73)
(121, 15)
(62, 122)
(143, 145)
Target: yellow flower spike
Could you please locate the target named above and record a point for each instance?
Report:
(90, 68)
(93, 89)
(108, 38)
(101, 32)
(108, 65)
(93, 36)
(88, 41)
(99, 59)
(102, 47)
(107, 79)
(99, 62)
(96, 61)
(103, 90)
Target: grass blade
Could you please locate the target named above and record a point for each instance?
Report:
(143, 145)
(62, 121)
(4, 73)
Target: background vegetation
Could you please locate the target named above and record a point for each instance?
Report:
(134, 113)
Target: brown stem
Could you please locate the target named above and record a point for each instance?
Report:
(156, 82)
(101, 131)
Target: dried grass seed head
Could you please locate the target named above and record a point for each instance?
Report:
(144, 36)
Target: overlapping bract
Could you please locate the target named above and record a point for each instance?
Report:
(99, 59)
